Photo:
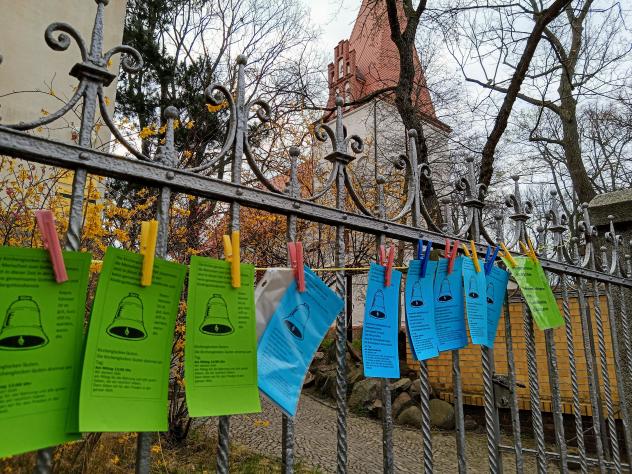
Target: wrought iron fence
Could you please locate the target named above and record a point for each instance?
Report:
(595, 272)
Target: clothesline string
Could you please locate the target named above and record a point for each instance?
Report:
(326, 269)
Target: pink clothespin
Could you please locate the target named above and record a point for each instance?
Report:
(295, 249)
(387, 262)
(46, 224)
(451, 256)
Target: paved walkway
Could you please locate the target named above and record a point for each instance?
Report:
(315, 442)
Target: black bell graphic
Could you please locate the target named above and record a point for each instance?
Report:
(377, 308)
(295, 322)
(216, 321)
(444, 292)
(490, 293)
(473, 288)
(128, 321)
(22, 327)
(415, 299)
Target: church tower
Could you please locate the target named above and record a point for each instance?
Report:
(363, 65)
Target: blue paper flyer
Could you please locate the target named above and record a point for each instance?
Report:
(449, 305)
(420, 320)
(475, 286)
(381, 321)
(496, 290)
(291, 339)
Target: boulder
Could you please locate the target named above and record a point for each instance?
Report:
(415, 390)
(441, 414)
(402, 402)
(325, 379)
(309, 380)
(364, 393)
(400, 386)
(470, 423)
(376, 409)
(411, 416)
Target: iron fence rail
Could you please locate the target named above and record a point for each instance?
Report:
(609, 277)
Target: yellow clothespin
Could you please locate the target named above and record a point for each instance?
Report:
(528, 251)
(232, 255)
(466, 250)
(148, 238)
(533, 254)
(477, 264)
(508, 256)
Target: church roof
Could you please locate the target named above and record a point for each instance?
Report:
(371, 61)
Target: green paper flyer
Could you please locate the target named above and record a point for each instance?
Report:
(536, 290)
(41, 340)
(220, 363)
(128, 352)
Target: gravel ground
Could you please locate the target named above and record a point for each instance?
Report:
(315, 442)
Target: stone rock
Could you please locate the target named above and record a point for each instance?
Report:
(400, 386)
(354, 375)
(318, 357)
(364, 393)
(470, 423)
(376, 409)
(325, 379)
(415, 390)
(309, 380)
(402, 402)
(411, 416)
(441, 414)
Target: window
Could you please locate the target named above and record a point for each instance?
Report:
(348, 68)
(348, 93)
(341, 65)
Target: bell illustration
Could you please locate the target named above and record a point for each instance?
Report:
(473, 287)
(216, 321)
(444, 292)
(295, 322)
(128, 321)
(22, 327)
(377, 308)
(490, 293)
(416, 300)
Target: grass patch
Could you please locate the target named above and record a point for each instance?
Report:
(116, 453)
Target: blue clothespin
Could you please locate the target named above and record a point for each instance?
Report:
(490, 259)
(426, 256)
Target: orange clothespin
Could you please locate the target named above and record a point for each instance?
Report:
(148, 239)
(295, 249)
(508, 255)
(387, 262)
(232, 254)
(46, 224)
(451, 255)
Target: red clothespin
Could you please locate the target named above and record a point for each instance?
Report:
(46, 224)
(451, 256)
(387, 262)
(295, 249)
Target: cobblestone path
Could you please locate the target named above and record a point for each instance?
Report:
(315, 442)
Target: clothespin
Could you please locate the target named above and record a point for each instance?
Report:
(508, 255)
(477, 264)
(232, 255)
(466, 251)
(528, 251)
(46, 224)
(295, 249)
(148, 239)
(387, 262)
(426, 256)
(490, 258)
(451, 256)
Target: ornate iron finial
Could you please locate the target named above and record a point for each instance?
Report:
(473, 202)
(616, 241)
(520, 216)
(500, 234)
(447, 212)
(588, 234)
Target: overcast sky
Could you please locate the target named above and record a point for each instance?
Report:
(335, 19)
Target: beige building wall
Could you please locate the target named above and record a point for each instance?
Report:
(35, 80)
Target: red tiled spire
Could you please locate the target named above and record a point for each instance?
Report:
(369, 61)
